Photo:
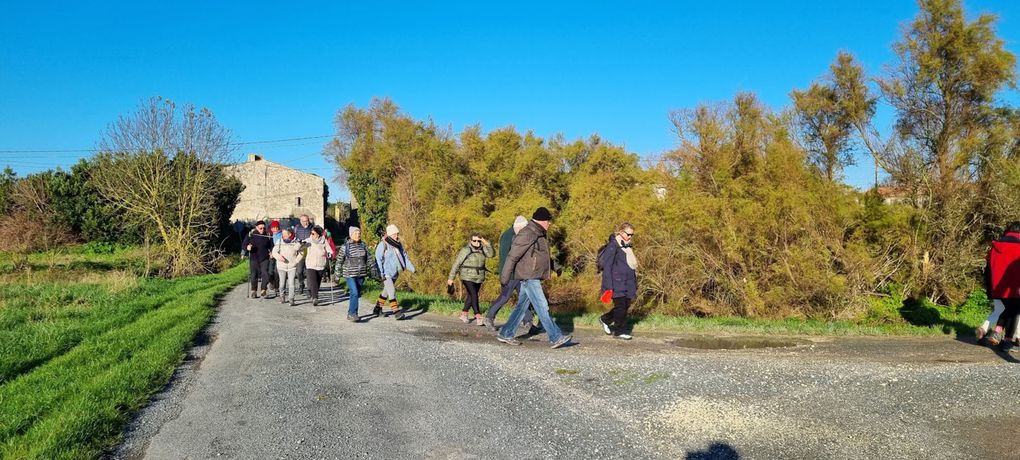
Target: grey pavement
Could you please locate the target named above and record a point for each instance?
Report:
(276, 381)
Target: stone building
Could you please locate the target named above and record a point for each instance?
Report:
(274, 191)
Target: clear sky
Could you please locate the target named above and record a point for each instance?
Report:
(272, 70)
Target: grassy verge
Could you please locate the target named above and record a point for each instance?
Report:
(960, 325)
(76, 357)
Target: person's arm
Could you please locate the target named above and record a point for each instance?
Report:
(341, 255)
(379, 251)
(487, 249)
(277, 254)
(329, 250)
(522, 243)
(457, 263)
(608, 256)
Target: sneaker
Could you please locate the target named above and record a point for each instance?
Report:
(464, 318)
(263, 293)
(979, 333)
(377, 311)
(623, 336)
(293, 302)
(1007, 346)
(993, 338)
(315, 302)
(253, 295)
(605, 327)
(508, 340)
(399, 314)
(489, 324)
(352, 318)
(479, 320)
(283, 298)
(562, 341)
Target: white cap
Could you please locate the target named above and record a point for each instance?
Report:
(392, 230)
(519, 223)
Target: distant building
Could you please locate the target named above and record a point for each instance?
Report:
(274, 191)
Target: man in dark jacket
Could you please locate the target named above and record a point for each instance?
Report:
(619, 280)
(258, 243)
(505, 241)
(529, 262)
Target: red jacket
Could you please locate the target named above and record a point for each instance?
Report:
(1004, 267)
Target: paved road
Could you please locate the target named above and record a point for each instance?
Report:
(299, 382)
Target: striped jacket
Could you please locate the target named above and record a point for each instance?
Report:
(353, 259)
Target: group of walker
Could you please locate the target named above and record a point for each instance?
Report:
(289, 260)
(524, 262)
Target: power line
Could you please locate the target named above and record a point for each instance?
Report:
(269, 141)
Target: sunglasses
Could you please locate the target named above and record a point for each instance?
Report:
(629, 235)
(476, 241)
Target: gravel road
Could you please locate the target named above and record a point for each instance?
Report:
(276, 381)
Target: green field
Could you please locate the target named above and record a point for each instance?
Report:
(84, 341)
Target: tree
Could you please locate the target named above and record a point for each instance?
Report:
(943, 91)
(161, 166)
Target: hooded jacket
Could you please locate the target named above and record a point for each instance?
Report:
(470, 263)
(392, 260)
(528, 258)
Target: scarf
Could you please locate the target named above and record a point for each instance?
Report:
(628, 249)
(400, 251)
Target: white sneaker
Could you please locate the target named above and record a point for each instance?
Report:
(624, 336)
(605, 327)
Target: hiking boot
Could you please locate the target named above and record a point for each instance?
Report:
(562, 341)
(508, 340)
(489, 325)
(479, 320)
(377, 311)
(315, 302)
(398, 314)
(352, 318)
(253, 295)
(605, 327)
(623, 336)
(464, 317)
(263, 293)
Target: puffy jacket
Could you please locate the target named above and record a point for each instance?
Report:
(528, 258)
(318, 252)
(291, 251)
(262, 245)
(505, 241)
(1002, 268)
(616, 273)
(470, 263)
(391, 260)
(352, 258)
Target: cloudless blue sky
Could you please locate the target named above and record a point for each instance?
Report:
(272, 70)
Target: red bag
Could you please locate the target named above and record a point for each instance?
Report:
(607, 297)
(1004, 265)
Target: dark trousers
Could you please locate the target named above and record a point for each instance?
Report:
(1009, 317)
(274, 278)
(301, 275)
(257, 270)
(471, 301)
(508, 290)
(314, 281)
(617, 317)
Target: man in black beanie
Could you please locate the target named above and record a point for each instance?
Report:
(530, 263)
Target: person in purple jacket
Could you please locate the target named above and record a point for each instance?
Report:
(619, 279)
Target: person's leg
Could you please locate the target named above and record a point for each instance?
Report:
(467, 300)
(354, 288)
(504, 296)
(1012, 309)
(390, 289)
(509, 330)
(620, 306)
(274, 278)
(282, 276)
(253, 274)
(532, 290)
(312, 277)
(472, 296)
(992, 318)
(291, 275)
(301, 275)
(264, 274)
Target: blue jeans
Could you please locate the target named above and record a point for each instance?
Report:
(531, 291)
(354, 288)
(504, 297)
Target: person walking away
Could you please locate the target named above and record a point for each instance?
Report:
(353, 264)
(530, 262)
(302, 232)
(288, 255)
(1002, 282)
(392, 259)
(507, 290)
(619, 279)
(470, 265)
(318, 251)
(258, 244)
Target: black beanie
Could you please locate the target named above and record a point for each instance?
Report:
(541, 214)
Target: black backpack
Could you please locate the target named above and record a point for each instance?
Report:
(598, 259)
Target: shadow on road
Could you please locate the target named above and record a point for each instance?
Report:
(716, 451)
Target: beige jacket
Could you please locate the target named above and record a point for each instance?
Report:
(317, 253)
(288, 255)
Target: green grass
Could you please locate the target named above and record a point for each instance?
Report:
(76, 357)
(937, 321)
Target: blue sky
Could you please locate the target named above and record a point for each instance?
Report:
(271, 71)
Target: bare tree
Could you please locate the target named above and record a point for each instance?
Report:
(162, 166)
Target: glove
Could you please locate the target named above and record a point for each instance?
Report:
(607, 297)
(449, 289)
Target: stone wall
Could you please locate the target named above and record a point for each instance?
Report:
(272, 191)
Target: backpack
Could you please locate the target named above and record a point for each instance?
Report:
(598, 259)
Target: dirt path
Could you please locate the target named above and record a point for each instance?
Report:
(300, 382)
